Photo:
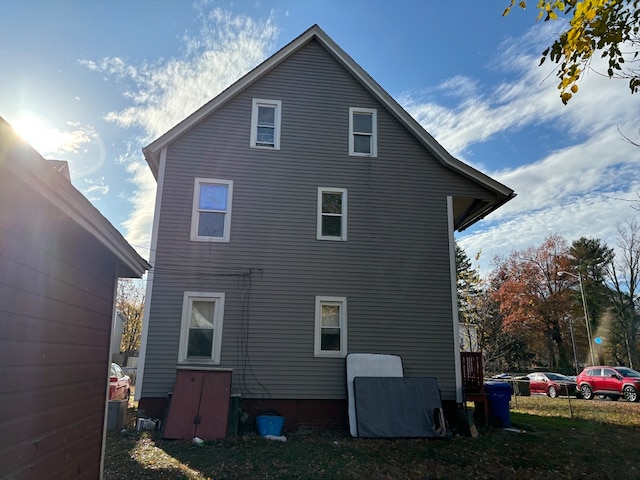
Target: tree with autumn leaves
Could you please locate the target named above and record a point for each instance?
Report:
(608, 28)
(130, 302)
(529, 313)
(482, 323)
(533, 300)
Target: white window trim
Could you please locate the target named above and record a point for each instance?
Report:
(277, 104)
(322, 300)
(195, 213)
(218, 318)
(343, 229)
(374, 131)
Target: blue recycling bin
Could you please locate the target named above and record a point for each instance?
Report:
(499, 394)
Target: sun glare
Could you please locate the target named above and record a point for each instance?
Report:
(40, 135)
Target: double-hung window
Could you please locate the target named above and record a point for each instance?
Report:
(201, 332)
(211, 214)
(363, 125)
(331, 327)
(332, 214)
(265, 124)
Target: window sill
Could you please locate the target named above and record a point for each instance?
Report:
(198, 366)
(210, 239)
(264, 147)
(330, 355)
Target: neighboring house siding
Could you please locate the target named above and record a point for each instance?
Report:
(56, 306)
(394, 269)
(116, 335)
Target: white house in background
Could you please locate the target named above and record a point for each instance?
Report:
(116, 337)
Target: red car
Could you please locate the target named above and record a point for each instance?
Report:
(551, 384)
(614, 382)
(119, 384)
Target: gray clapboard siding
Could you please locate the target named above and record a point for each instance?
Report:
(394, 269)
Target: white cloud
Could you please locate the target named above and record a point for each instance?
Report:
(602, 165)
(138, 225)
(530, 99)
(94, 189)
(164, 92)
(575, 191)
(591, 216)
(459, 86)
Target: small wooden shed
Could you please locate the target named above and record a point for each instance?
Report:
(60, 260)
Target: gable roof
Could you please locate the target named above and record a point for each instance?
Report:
(18, 157)
(476, 211)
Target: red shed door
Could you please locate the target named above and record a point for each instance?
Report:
(185, 402)
(214, 405)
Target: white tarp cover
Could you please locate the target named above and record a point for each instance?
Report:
(408, 407)
(368, 365)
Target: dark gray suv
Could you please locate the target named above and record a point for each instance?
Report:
(614, 382)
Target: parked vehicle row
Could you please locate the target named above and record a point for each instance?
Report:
(552, 384)
(604, 381)
(613, 382)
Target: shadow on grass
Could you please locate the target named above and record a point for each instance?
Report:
(121, 463)
(132, 455)
(550, 447)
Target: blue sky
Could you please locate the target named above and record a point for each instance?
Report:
(92, 82)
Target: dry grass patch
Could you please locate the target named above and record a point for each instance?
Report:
(592, 440)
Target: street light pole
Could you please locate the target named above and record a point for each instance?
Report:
(586, 319)
(573, 343)
(586, 316)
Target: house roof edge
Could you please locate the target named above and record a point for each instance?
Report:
(56, 189)
(152, 151)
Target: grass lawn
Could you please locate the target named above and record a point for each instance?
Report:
(597, 439)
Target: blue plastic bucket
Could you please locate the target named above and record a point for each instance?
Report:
(269, 425)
